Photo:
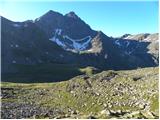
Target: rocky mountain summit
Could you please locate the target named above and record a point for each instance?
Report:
(70, 24)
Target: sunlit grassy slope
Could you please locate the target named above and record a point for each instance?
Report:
(109, 94)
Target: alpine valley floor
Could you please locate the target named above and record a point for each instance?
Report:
(109, 94)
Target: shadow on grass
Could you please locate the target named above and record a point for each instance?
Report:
(42, 73)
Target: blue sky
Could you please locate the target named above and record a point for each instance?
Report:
(113, 18)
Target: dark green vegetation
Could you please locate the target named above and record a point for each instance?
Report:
(46, 73)
(109, 94)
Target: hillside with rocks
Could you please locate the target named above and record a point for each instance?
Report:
(109, 94)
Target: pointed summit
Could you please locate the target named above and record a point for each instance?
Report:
(52, 13)
(72, 15)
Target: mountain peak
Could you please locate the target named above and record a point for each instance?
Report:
(72, 15)
(51, 12)
(49, 15)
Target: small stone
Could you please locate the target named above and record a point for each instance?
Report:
(100, 103)
(97, 94)
(105, 105)
(69, 110)
(93, 103)
(147, 114)
(112, 112)
(59, 96)
(73, 112)
(105, 112)
(71, 92)
(66, 115)
(119, 111)
(109, 105)
(74, 95)
(141, 106)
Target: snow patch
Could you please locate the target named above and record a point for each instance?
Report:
(16, 25)
(58, 31)
(75, 44)
(105, 56)
(13, 61)
(16, 46)
(38, 19)
(124, 43)
(81, 46)
(127, 53)
(129, 37)
(131, 51)
(59, 42)
(117, 43)
(65, 36)
(127, 43)
(90, 50)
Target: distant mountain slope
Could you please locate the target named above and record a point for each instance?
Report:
(25, 43)
(142, 37)
(141, 44)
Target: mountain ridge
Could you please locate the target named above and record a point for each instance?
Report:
(56, 38)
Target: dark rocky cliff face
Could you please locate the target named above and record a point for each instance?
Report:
(66, 39)
(70, 24)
